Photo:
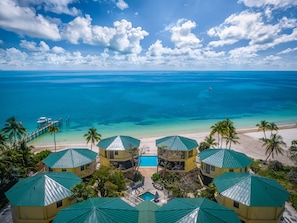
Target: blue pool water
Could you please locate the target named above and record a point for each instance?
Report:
(148, 161)
(147, 196)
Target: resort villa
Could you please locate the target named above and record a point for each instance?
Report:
(177, 153)
(98, 210)
(38, 199)
(241, 197)
(177, 210)
(255, 199)
(80, 161)
(119, 151)
(214, 162)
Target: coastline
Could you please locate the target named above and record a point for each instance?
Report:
(249, 142)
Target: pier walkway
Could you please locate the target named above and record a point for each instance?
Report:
(41, 130)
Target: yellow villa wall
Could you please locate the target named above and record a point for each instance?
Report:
(89, 169)
(119, 155)
(37, 214)
(213, 173)
(190, 164)
(189, 159)
(253, 214)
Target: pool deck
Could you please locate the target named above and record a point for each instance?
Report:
(147, 172)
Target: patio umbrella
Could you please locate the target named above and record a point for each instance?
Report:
(156, 198)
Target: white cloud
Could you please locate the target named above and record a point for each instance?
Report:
(122, 37)
(58, 50)
(245, 25)
(250, 26)
(275, 3)
(121, 4)
(288, 50)
(272, 58)
(13, 57)
(56, 6)
(32, 46)
(182, 35)
(24, 21)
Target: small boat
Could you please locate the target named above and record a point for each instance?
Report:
(43, 120)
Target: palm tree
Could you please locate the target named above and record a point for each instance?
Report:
(27, 155)
(81, 192)
(224, 129)
(53, 129)
(273, 145)
(272, 127)
(92, 136)
(232, 138)
(14, 130)
(216, 128)
(293, 151)
(263, 126)
(3, 140)
(211, 142)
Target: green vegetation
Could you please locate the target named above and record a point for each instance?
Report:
(179, 184)
(225, 131)
(273, 145)
(293, 151)
(54, 129)
(13, 130)
(16, 158)
(93, 136)
(81, 192)
(108, 182)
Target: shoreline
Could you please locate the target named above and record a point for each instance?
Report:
(249, 142)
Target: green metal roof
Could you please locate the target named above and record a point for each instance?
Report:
(225, 158)
(251, 189)
(195, 210)
(70, 158)
(42, 189)
(177, 143)
(119, 143)
(147, 212)
(95, 210)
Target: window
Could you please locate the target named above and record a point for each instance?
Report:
(82, 168)
(63, 170)
(190, 153)
(213, 168)
(59, 204)
(116, 153)
(231, 170)
(236, 204)
(50, 169)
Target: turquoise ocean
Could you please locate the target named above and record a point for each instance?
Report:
(146, 103)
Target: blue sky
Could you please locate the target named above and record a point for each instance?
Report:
(148, 34)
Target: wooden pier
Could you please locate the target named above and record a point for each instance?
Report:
(41, 130)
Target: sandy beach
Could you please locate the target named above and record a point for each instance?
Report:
(249, 143)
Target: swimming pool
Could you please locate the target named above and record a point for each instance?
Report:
(149, 161)
(147, 196)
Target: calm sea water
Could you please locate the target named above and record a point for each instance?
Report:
(146, 103)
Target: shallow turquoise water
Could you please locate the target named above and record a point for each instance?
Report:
(146, 103)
